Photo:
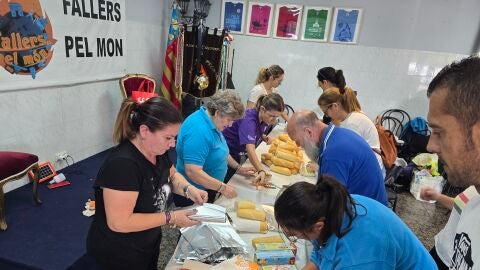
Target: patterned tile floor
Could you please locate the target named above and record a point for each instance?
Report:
(424, 219)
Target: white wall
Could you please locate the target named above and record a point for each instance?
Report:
(80, 118)
(450, 26)
(401, 45)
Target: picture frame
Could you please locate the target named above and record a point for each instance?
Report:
(346, 25)
(233, 15)
(316, 23)
(287, 21)
(259, 19)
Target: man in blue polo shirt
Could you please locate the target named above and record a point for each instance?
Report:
(340, 153)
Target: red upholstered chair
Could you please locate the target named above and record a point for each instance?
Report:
(15, 166)
(131, 82)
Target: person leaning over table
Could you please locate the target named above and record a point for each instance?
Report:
(344, 110)
(133, 188)
(347, 231)
(339, 152)
(246, 133)
(202, 152)
(327, 78)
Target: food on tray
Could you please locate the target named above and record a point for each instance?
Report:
(283, 156)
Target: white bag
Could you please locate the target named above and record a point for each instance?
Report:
(422, 179)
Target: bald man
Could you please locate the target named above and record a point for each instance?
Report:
(340, 153)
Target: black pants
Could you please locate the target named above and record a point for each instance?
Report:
(438, 261)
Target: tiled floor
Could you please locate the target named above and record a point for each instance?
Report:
(424, 219)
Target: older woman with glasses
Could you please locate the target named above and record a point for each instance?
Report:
(202, 151)
(347, 231)
(246, 133)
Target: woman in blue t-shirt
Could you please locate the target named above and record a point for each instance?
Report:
(246, 133)
(202, 152)
(347, 231)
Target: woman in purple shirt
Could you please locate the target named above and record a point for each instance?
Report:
(245, 134)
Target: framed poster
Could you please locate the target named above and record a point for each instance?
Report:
(346, 25)
(287, 22)
(316, 23)
(233, 16)
(259, 19)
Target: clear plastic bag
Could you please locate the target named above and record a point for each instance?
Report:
(210, 243)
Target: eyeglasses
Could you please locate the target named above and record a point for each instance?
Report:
(270, 115)
(324, 110)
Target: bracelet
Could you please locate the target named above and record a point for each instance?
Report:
(261, 171)
(220, 188)
(168, 217)
(185, 191)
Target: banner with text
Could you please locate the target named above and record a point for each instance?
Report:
(47, 43)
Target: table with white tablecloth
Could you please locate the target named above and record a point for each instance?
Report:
(246, 191)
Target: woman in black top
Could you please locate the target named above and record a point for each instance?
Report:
(134, 186)
(327, 78)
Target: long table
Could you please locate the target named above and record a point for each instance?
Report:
(245, 191)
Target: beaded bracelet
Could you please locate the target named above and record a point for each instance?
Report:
(168, 217)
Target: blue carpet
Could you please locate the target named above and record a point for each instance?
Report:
(52, 235)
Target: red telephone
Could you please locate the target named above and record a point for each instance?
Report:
(46, 171)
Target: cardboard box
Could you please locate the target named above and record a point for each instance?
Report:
(274, 257)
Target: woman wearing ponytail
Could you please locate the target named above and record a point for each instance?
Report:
(134, 186)
(329, 78)
(245, 134)
(342, 107)
(347, 231)
(267, 82)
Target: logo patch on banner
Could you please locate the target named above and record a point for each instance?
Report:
(26, 37)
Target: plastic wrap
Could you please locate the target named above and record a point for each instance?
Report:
(210, 243)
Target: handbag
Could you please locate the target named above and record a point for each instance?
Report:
(144, 92)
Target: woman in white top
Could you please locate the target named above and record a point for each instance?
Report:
(267, 82)
(342, 106)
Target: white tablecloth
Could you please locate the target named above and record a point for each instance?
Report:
(245, 191)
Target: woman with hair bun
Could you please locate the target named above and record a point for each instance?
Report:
(328, 78)
(347, 231)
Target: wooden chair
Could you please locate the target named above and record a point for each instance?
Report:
(131, 82)
(15, 166)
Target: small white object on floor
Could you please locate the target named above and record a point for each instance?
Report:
(89, 210)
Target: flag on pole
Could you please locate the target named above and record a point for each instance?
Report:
(171, 85)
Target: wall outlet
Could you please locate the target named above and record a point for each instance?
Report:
(61, 155)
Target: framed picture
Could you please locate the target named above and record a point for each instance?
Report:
(346, 25)
(233, 16)
(259, 19)
(287, 22)
(316, 23)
